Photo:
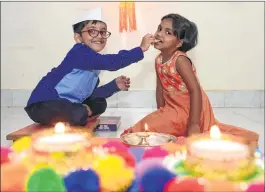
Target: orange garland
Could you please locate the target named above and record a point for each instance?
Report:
(127, 17)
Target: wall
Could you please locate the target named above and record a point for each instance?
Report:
(230, 54)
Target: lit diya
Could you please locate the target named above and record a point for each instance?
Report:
(147, 138)
(61, 139)
(63, 147)
(212, 155)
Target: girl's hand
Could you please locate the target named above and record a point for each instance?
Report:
(193, 129)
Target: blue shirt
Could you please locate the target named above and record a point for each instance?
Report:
(76, 78)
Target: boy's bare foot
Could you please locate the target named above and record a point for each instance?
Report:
(93, 117)
(88, 109)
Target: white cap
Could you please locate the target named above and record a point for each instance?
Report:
(94, 14)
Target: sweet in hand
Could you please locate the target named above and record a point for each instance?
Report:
(146, 42)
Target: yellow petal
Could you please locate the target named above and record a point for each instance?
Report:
(22, 144)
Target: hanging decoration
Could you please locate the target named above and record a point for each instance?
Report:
(127, 16)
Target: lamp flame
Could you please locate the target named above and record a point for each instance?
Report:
(146, 127)
(60, 127)
(215, 132)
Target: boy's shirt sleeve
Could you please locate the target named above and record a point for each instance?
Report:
(106, 90)
(87, 59)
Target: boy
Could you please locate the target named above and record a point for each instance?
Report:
(70, 92)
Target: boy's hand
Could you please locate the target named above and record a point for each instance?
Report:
(147, 40)
(123, 83)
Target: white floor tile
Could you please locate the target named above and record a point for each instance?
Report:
(250, 118)
(256, 114)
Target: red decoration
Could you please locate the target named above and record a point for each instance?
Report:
(13, 176)
(118, 148)
(186, 185)
(116, 145)
(5, 151)
(258, 187)
(155, 152)
(127, 16)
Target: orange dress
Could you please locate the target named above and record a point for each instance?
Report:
(173, 117)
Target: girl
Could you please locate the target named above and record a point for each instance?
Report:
(183, 107)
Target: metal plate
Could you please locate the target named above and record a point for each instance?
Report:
(147, 139)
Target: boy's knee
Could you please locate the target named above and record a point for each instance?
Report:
(79, 117)
(98, 106)
(32, 112)
(103, 105)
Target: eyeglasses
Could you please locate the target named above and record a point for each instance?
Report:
(94, 33)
